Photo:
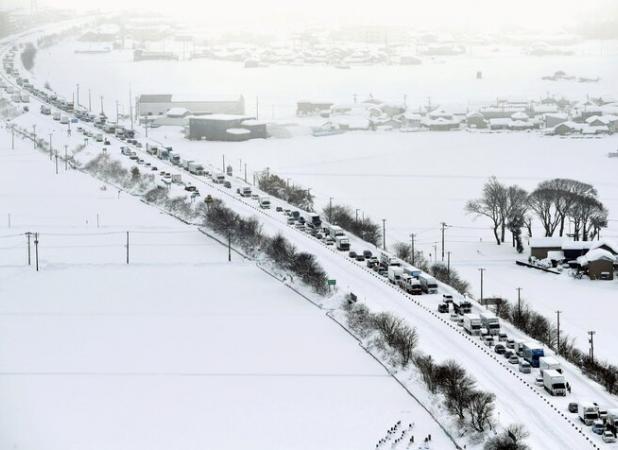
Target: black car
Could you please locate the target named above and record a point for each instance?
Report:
(499, 349)
(367, 253)
(278, 209)
(227, 184)
(190, 188)
(573, 407)
(360, 258)
(352, 254)
(443, 308)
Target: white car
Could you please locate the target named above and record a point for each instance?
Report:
(608, 437)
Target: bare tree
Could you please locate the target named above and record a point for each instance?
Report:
(490, 205)
(457, 387)
(481, 408)
(543, 202)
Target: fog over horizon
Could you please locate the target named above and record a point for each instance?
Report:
(481, 16)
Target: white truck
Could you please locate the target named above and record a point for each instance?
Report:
(394, 274)
(491, 322)
(428, 283)
(195, 168)
(218, 178)
(554, 382)
(184, 163)
(549, 363)
(388, 260)
(342, 243)
(264, 202)
(612, 418)
(312, 219)
(588, 412)
(472, 324)
(461, 305)
(245, 192)
(334, 231)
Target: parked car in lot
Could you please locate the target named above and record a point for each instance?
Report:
(499, 349)
(513, 359)
(525, 367)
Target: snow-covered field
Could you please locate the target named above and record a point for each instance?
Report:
(171, 350)
(397, 177)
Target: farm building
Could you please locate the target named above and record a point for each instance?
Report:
(598, 264)
(155, 105)
(225, 127)
(539, 247)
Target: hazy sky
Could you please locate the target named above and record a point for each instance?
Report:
(476, 14)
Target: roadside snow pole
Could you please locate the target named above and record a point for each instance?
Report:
(127, 247)
(481, 270)
(56, 163)
(28, 235)
(36, 250)
(384, 234)
(245, 172)
(223, 166)
(412, 247)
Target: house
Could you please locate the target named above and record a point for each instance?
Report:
(540, 247)
(476, 120)
(604, 121)
(553, 119)
(225, 127)
(598, 264)
(565, 128)
(605, 244)
(440, 124)
(574, 249)
(312, 107)
(410, 120)
(520, 116)
(157, 105)
(500, 123)
(173, 117)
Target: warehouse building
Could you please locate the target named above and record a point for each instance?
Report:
(156, 105)
(226, 127)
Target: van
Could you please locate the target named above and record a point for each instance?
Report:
(264, 202)
(524, 366)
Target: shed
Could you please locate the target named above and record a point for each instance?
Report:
(540, 247)
(598, 264)
(574, 249)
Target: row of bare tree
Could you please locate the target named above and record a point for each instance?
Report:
(553, 202)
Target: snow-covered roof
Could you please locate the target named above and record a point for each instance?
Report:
(238, 131)
(576, 245)
(598, 254)
(557, 115)
(206, 98)
(610, 244)
(519, 115)
(552, 241)
(224, 117)
(501, 121)
(177, 112)
(545, 108)
(253, 122)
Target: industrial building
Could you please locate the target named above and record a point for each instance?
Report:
(226, 127)
(156, 105)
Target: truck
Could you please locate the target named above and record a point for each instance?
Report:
(184, 163)
(411, 270)
(195, 168)
(264, 202)
(388, 260)
(611, 420)
(428, 283)
(549, 363)
(312, 219)
(218, 178)
(410, 284)
(554, 382)
(151, 149)
(532, 353)
(177, 178)
(394, 274)
(245, 191)
(491, 322)
(342, 242)
(162, 153)
(588, 412)
(461, 305)
(472, 324)
(334, 231)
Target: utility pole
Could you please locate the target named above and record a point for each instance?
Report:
(28, 236)
(102, 112)
(330, 209)
(558, 330)
(257, 108)
(89, 101)
(36, 250)
(384, 234)
(229, 246)
(77, 97)
(245, 172)
(412, 248)
(50, 146)
(482, 270)
(443, 227)
(116, 112)
(131, 106)
(591, 341)
(127, 247)
(357, 215)
(448, 265)
(223, 156)
(56, 163)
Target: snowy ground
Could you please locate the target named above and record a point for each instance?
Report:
(516, 400)
(171, 350)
